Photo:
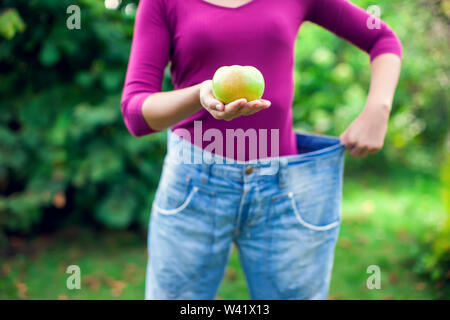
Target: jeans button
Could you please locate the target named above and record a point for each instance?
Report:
(248, 170)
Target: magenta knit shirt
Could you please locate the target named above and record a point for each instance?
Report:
(198, 37)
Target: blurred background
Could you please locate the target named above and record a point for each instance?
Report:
(76, 187)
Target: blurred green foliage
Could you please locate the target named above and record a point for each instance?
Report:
(332, 79)
(10, 23)
(436, 258)
(66, 156)
(63, 143)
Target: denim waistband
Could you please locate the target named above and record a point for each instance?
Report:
(312, 148)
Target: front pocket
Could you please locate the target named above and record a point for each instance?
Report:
(174, 190)
(312, 193)
(322, 227)
(179, 208)
(312, 196)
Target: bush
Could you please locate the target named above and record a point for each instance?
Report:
(65, 149)
(436, 259)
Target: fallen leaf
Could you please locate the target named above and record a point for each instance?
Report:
(420, 286)
(6, 268)
(344, 242)
(92, 282)
(393, 278)
(129, 271)
(116, 286)
(231, 274)
(363, 239)
(21, 290)
(403, 235)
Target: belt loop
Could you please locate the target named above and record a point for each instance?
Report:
(282, 172)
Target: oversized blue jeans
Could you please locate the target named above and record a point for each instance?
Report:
(283, 215)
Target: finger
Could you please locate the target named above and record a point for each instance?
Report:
(350, 143)
(232, 107)
(343, 138)
(217, 114)
(214, 104)
(267, 103)
(363, 152)
(354, 151)
(219, 106)
(253, 107)
(259, 103)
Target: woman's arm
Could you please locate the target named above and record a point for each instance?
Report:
(164, 109)
(148, 58)
(366, 133)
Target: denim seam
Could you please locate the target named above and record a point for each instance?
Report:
(238, 221)
(242, 261)
(268, 246)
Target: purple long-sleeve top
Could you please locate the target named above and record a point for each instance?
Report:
(198, 37)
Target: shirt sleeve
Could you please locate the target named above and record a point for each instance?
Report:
(149, 56)
(351, 23)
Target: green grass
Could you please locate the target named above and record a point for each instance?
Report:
(384, 222)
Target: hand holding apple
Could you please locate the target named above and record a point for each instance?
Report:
(240, 88)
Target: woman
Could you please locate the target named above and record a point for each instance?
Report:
(281, 209)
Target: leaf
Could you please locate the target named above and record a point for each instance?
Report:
(11, 23)
(117, 210)
(49, 54)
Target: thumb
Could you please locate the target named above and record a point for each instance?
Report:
(213, 103)
(343, 137)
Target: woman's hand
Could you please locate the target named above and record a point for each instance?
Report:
(237, 108)
(366, 133)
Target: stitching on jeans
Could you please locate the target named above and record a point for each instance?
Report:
(306, 224)
(180, 208)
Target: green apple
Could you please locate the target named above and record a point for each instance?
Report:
(236, 82)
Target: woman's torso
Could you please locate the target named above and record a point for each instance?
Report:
(261, 33)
